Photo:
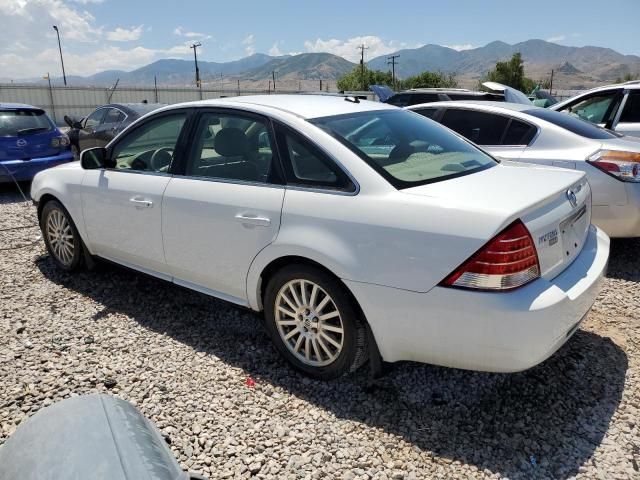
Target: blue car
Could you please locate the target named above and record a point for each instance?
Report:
(29, 142)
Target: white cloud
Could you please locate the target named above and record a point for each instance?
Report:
(349, 48)
(275, 50)
(460, 48)
(249, 44)
(85, 2)
(125, 35)
(556, 38)
(181, 32)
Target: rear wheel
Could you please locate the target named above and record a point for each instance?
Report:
(61, 236)
(313, 322)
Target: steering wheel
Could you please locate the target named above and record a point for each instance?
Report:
(161, 159)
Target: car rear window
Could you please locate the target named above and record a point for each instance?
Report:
(23, 122)
(405, 148)
(573, 124)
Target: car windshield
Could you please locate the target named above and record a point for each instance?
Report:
(573, 124)
(406, 148)
(23, 122)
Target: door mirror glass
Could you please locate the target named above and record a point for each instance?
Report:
(94, 158)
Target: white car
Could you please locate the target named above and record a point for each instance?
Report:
(616, 107)
(410, 244)
(538, 135)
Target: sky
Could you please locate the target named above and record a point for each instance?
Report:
(100, 35)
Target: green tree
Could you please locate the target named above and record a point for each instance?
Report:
(430, 80)
(628, 77)
(511, 73)
(353, 79)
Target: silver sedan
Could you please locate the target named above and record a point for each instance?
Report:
(525, 133)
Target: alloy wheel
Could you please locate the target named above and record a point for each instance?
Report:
(309, 322)
(60, 236)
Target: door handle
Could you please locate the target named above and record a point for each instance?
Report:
(249, 219)
(141, 202)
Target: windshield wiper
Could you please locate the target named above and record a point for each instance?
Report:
(26, 131)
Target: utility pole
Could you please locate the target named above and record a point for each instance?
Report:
(551, 84)
(155, 87)
(392, 60)
(362, 48)
(195, 59)
(238, 87)
(64, 75)
(53, 107)
(273, 75)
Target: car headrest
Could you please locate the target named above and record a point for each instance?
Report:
(231, 142)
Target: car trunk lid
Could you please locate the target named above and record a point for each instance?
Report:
(554, 204)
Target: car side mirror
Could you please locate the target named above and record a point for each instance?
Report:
(95, 158)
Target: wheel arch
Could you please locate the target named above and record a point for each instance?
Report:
(280, 262)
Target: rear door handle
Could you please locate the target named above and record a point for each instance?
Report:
(141, 202)
(249, 219)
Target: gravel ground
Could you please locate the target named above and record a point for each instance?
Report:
(184, 360)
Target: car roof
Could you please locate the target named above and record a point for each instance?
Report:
(300, 105)
(479, 105)
(139, 108)
(18, 106)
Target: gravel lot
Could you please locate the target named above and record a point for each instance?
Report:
(184, 360)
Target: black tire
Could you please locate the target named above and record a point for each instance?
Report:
(353, 352)
(74, 261)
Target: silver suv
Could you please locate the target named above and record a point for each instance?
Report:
(616, 107)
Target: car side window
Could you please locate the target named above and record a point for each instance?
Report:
(306, 165)
(631, 112)
(598, 108)
(427, 112)
(479, 127)
(519, 133)
(113, 116)
(95, 118)
(151, 146)
(232, 147)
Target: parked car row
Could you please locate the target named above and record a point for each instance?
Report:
(360, 231)
(537, 135)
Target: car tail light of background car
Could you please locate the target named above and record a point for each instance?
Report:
(61, 141)
(506, 262)
(624, 166)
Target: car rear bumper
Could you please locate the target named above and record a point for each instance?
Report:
(487, 331)
(620, 220)
(26, 169)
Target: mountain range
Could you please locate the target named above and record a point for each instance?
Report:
(574, 67)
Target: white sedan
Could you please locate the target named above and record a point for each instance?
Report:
(525, 133)
(408, 243)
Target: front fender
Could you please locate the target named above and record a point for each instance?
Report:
(64, 184)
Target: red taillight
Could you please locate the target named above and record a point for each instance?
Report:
(508, 261)
(624, 166)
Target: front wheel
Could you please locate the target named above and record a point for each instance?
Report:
(61, 236)
(313, 322)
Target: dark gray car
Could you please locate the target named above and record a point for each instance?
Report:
(104, 123)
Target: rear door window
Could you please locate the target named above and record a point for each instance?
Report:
(427, 112)
(480, 127)
(519, 133)
(631, 112)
